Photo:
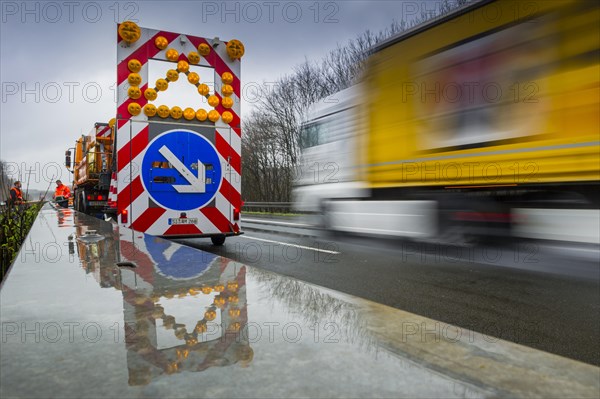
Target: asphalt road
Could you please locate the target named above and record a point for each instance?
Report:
(535, 294)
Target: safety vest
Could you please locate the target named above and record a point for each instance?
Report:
(18, 194)
(62, 191)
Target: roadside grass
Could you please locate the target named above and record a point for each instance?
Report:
(15, 223)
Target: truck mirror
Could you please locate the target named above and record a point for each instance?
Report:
(68, 159)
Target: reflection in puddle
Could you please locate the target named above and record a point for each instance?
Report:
(183, 310)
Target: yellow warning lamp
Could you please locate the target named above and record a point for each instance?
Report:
(134, 65)
(235, 49)
(112, 122)
(183, 66)
(134, 109)
(227, 102)
(163, 111)
(219, 300)
(134, 79)
(201, 327)
(150, 109)
(161, 42)
(162, 84)
(227, 90)
(172, 54)
(204, 49)
(180, 332)
(176, 112)
(213, 116)
(227, 78)
(206, 289)
(189, 114)
(134, 92)
(193, 78)
(203, 89)
(193, 57)
(210, 315)
(227, 117)
(172, 75)
(213, 101)
(150, 94)
(201, 115)
(129, 31)
(182, 354)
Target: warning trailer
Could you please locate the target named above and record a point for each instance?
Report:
(158, 168)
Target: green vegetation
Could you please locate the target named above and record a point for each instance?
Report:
(15, 222)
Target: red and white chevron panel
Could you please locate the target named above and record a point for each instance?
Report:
(103, 131)
(132, 138)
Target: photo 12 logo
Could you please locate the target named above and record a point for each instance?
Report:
(269, 11)
(32, 173)
(53, 12)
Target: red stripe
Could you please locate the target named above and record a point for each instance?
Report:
(147, 219)
(217, 218)
(145, 265)
(231, 194)
(227, 151)
(142, 54)
(217, 62)
(130, 193)
(132, 149)
(180, 229)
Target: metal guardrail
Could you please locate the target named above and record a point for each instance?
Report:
(269, 207)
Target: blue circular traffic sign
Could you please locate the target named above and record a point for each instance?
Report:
(181, 170)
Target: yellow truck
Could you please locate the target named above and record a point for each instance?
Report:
(92, 170)
(482, 122)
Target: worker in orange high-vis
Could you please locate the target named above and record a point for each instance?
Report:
(16, 195)
(62, 194)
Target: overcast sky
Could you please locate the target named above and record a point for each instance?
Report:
(58, 59)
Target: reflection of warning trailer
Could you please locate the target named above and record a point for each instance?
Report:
(173, 171)
(177, 319)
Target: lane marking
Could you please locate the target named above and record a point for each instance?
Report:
(327, 251)
(273, 222)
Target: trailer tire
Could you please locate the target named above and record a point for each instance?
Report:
(218, 240)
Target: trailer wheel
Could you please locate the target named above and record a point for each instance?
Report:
(218, 240)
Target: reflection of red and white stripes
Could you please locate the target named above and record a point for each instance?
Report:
(133, 138)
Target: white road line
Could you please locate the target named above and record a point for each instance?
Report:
(292, 245)
(275, 222)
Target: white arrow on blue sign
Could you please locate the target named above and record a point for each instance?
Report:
(181, 170)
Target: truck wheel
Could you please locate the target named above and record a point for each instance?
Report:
(218, 240)
(82, 204)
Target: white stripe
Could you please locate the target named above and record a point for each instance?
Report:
(133, 167)
(123, 133)
(292, 245)
(124, 50)
(235, 142)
